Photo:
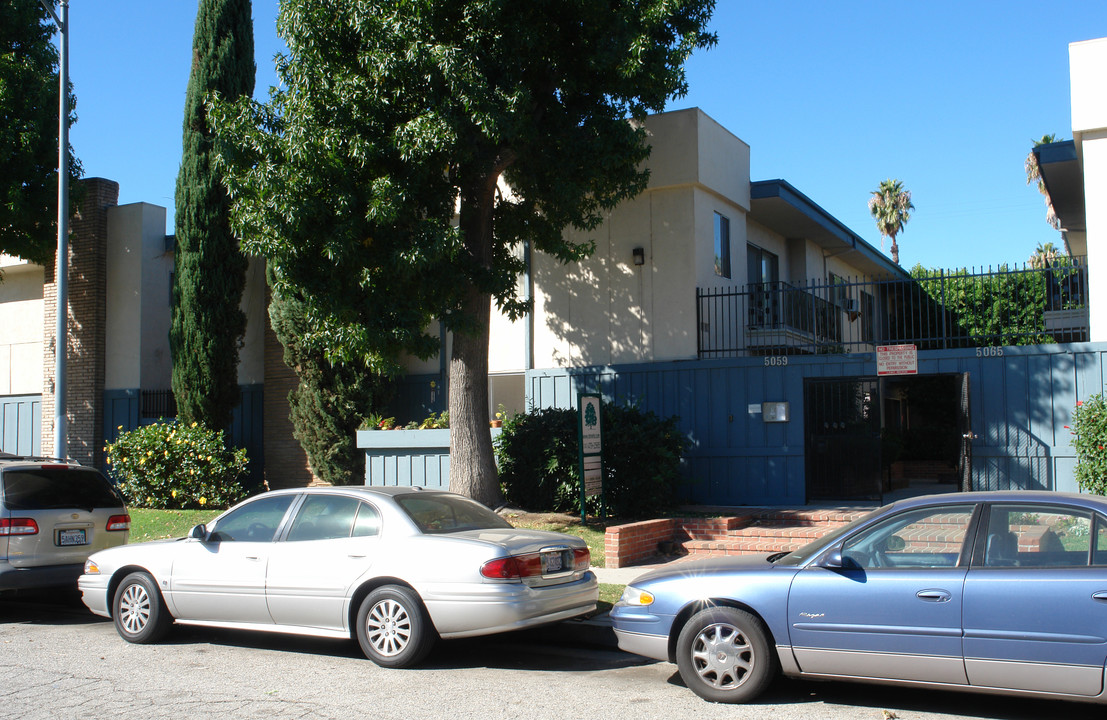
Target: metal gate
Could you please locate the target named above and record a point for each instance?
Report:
(842, 429)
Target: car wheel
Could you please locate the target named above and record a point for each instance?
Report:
(724, 656)
(138, 610)
(393, 628)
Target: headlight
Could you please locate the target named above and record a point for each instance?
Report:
(635, 596)
(91, 568)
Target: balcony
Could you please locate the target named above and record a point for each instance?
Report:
(932, 310)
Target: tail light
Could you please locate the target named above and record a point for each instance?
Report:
(517, 567)
(513, 568)
(18, 526)
(119, 522)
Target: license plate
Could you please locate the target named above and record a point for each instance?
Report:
(72, 537)
(553, 562)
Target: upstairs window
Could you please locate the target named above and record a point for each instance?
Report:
(722, 245)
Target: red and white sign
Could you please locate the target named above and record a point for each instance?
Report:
(897, 360)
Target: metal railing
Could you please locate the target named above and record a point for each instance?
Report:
(932, 310)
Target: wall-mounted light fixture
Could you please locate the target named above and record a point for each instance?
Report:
(639, 256)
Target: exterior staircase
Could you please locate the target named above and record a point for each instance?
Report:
(760, 530)
(736, 531)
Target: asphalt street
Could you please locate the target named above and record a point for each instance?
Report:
(58, 661)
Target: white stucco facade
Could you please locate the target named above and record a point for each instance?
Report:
(1087, 69)
(21, 317)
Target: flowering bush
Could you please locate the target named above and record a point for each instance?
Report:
(1089, 426)
(169, 466)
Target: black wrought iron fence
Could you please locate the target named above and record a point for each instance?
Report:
(932, 310)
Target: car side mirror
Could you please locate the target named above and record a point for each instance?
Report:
(832, 559)
(199, 532)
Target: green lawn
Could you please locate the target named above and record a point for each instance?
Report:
(161, 524)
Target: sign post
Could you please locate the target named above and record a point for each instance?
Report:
(590, 436)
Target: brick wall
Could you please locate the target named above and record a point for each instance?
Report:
(87, 308)
(631, 544)
(286, 463)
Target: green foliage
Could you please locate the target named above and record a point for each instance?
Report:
(29, 132)
(177, 466)
(891, 207)
(538, 460)
(1002, 307)
(1089, 429)
(370, 181)
(331, 401)
(207, 322)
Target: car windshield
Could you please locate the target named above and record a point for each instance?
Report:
(437, 514)
(805, 553)
(58, 488)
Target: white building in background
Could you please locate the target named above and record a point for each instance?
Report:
(701, 223)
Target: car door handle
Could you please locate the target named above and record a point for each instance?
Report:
(356, 557)
(934, 595)
(1101, 595)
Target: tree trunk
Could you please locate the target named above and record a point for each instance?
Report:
(895, 251)
(472, 466)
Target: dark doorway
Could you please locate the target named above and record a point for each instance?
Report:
(842, 427)
(886, 438)
(924, 419)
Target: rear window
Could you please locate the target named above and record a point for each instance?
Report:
(437, 514)
(57, 488)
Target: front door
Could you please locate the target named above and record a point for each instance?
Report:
(843, 439)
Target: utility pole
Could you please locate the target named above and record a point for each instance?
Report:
(61, 263)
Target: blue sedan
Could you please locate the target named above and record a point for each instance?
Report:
(995, 592)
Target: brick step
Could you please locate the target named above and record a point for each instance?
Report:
(746, 531)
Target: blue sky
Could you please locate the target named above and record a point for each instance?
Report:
(831, 96)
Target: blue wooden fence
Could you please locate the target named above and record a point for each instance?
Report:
(121, 414)
(21, 424)
(1021, 399)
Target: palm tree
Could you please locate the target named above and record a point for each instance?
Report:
(1044, 256)
(1034, 174)
(891, 206)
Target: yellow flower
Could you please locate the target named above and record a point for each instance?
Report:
(166, 453)
(142, 461)
(119, 428)
(193, 424)
(173, 493)
(203, 501)
(149, 453)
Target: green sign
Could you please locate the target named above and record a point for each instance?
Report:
(590, 434)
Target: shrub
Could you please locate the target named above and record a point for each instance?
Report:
(169, 467)
(1089, 428)
(538, 460)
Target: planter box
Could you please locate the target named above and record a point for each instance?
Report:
(408, 458)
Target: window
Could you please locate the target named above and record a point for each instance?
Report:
(839, 292)
(324, 517)
(254, 522)
(762, 273)
(925, 538)
(722, 246)
(1037, 536)
(435, 513)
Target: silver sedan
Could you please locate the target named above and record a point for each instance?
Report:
(394, 567)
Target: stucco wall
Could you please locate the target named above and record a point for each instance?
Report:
(1087, 61)
(21, 329)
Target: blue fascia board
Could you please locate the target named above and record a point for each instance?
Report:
(1063, 151)
(765, 189)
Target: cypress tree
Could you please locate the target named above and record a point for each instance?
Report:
(207, 323)
(331, 401)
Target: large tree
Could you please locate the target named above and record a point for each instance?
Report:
(891, 206)
(207, 322)
(29, 132)
(416, 145)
